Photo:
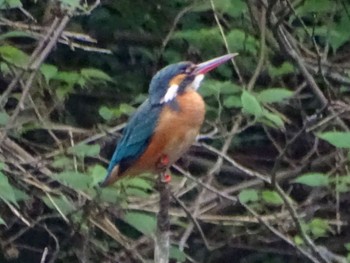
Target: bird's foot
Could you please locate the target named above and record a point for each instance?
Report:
(166, 178)
(163, 162)
(162, 166)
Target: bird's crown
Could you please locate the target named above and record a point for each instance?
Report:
(168, 78)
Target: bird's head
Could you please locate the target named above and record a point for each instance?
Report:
(177, 78)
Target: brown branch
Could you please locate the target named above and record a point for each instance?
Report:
(162, 238)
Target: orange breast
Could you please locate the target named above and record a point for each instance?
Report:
(175, 132)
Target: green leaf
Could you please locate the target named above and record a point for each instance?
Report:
(63, 90)
(319, 227)
(136, 192)
(14, 56)
(347, 246)
(92, 73)
(177, 254)
(4, 117)
(109, 113)
(342, 185)
(298, 240)
(82, 150)
(338, 139)
(8, 4)
(74, 180)
(251, 105)
(232, 102)
(20, 195)
(48, 71)
(2, 222)
(209, 88)
(125, 109)
(275, 120)
(73, 4)
(313, 179)
(110, 195)
(106, 113)
(272, 197)
(145, 223)
(13, 34)
(60, 203)
(6, 190)
(4, 68)
(232, 8)
(284, 69)
(274, 95)
(2, 166)
(248, 195)
(98, 173)
(138, 182)
(228, 88)
(63, 162)
(207, 39)
(67, 77)
(340, 33)
(240, 40)
(315, 6)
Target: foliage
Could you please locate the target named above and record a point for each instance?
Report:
(313, 179)
(284, 137)
(338, 139)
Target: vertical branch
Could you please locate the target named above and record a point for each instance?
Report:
(162, 239)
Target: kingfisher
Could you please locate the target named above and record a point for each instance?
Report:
(166, 124)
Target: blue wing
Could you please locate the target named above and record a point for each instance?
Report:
(136, 136)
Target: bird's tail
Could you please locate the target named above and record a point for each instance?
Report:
(111, 177)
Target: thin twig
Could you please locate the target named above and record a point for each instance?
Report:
(210, 177)
(173, 26)
(256, 215)
(240, 78)
(34, 66)
(262, 52)
(44, 255)
(35, 53)
(195, 222)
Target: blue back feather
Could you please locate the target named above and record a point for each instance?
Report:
(136, 135)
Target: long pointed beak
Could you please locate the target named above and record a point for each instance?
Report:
(209, 65)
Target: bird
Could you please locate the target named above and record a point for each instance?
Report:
(166, 124)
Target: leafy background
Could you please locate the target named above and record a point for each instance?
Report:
(268, 179)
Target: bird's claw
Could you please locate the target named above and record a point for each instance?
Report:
(163, 162)
(166, 178)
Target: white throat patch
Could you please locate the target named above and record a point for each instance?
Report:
(170, 94)
(197, 81)
(173, 89)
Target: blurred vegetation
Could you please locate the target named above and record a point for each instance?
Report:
(276, 135)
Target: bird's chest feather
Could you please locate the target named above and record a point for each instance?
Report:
(176, 129)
